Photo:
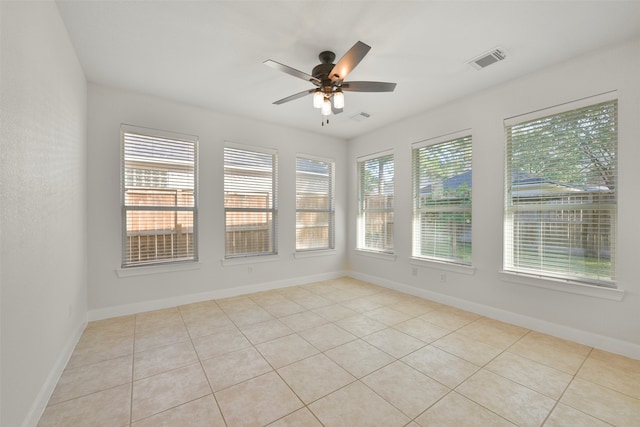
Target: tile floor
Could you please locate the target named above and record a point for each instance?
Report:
(336, 353)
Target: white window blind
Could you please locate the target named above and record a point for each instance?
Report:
(560, 197)
(315, 212)
(376, 204)
(250, 188)
(442, 201)
(159, 196)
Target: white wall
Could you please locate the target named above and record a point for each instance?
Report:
(43, 218)
(613, 325)
(110, 294)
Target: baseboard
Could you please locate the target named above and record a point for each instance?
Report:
(40, 403)
(140, 307)
(591, 339)
(577, 335)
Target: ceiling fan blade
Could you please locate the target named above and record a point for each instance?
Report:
(294, 96)
(336, 110)
(368, 86)
(349, 61)
(292, 71)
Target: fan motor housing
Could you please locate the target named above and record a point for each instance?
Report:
(321, 71)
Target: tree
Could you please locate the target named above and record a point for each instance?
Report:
(576, 148)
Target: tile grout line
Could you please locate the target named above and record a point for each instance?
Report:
(573, 377)
(133, 363)
(396, 359)
(306, 405)
(253, 345)
(480, 367)
(393, 326)
(361, 338)
(224, 420)
(275, 370)
(453, 389)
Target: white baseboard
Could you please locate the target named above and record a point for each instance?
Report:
(40, 403)
(140, 307)
(591, 339)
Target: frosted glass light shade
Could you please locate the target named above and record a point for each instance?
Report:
(318, 98)
(326, 107)
(338, 100)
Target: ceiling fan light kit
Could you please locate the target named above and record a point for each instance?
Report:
(329, 80)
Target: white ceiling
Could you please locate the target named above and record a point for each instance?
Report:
(210, 53)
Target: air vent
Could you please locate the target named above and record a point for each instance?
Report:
(360, 117)
(488, 58)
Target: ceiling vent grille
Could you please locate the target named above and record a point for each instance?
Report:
(488, 58)
(360, 117)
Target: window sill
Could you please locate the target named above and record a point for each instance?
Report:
(441, 265)
(314, 253)
(227, 262)
(378, 255)
(561, 285)
(157, 269)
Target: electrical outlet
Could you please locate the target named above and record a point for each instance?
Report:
(414, 271)
(443, 277)
(249, 269)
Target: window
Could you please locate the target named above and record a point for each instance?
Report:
(159, 196)
(375, 204)
(250, 201)
(315, 211)
(442, 200)
(560, 204)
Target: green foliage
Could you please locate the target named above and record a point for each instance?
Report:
(377, 175)
(575, 148)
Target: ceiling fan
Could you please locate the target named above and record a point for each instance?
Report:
(329, 80)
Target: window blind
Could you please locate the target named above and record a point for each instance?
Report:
(376, 204)
(560, 197)
(442, 201)
(159, 197)
(315, 211)
(250, 186)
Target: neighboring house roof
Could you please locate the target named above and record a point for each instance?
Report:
(312, 167)
(524, 185)
(530, 185)
(450, 183)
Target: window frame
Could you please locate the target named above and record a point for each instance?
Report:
(126, 129)
(361, 239)
(509, 238)
(460, 137)
(330, 211)
(271, 209)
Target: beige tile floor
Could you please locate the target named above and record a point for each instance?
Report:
(336, 353)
